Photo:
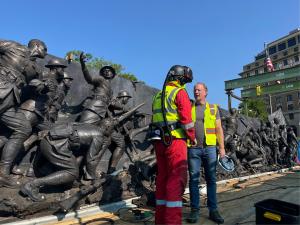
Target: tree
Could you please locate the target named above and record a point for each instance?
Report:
(74, 55)
(97, 63)
(254, 108)
(129, 76)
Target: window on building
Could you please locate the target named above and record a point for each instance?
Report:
(296, 49)
(289, 98)
(296, 58)
(248, 75)
(272, 50)
(292, 42)
(285, 53)
(290, 107)
(299, 39)
(256, 64)
(285, 62)
(260, 56)
(248, 67)
(281, 46)
(275, 66)
(275, 57)
(256, 72)
(291, 116)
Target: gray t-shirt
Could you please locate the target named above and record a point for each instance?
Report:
(199, 124)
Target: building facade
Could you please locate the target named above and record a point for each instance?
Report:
(284, 53)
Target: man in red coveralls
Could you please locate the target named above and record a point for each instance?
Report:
(174, 126)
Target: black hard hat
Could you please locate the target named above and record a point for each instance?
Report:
(55, 63)
(183, 73)
(176, 70)
(226, 163)
(123, 94)
(108, 72)
(188, 74)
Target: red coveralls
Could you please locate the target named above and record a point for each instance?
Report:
(172, 168)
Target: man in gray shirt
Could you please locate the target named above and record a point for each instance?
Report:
(209, 133)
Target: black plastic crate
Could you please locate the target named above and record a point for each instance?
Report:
(272, 211)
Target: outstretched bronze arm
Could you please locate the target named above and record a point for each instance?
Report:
(87, 76)
(84, 69)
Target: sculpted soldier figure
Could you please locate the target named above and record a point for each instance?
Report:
(263, 134)
(271, 141)
(17, 68)
(283, 145)
(231, 125)
(63, 87)
(255, 137)
(117, 136)
(275, 140)
(42, 105)
(61, 81)
(66, 141)
(252, 153)
(95, 108)
(41, 109)
(292, 145)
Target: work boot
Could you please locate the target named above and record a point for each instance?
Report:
(18, 170)
(216, 217)
(193, 216)
(9, 182)
(32, 192)
(5, 179)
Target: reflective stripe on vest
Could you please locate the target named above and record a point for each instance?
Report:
(210, 113)
(171, 110)
(170, 204)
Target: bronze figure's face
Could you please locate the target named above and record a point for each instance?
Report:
(108, 72)
(124, 100)
(67, 80)
(124, 97)
(57, 67)
(37, 48)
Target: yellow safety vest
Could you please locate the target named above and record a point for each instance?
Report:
(210, 113)
(171, 110)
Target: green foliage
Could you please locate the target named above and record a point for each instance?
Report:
(254, 108)
(97, 63)
(129, 76)
(75, 55)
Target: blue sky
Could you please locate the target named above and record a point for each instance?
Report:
(214, 37)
